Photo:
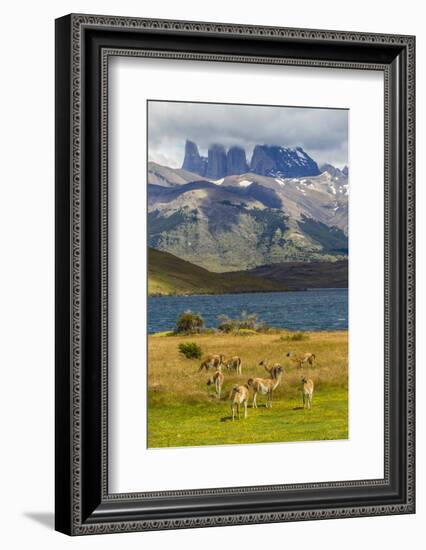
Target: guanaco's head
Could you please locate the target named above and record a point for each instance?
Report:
(289, 354)
(303, 380)
(263, 363)
(250, 382)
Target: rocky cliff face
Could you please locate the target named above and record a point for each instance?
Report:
(193, 161)
(216, 164)
(267, 160)
(236, 162)
(285, 162)
(333, 171)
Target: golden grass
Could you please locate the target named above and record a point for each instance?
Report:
(176, 387)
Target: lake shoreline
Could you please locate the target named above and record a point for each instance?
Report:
(314, 309)
(178, 295)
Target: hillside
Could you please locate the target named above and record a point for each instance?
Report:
(169, 275)
(240, 222)
(300, 275)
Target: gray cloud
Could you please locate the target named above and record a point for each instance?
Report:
(323, 133)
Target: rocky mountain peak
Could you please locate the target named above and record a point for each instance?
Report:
(217, 162)
(333, 171)
(286, 162)
(267, 160)
(236, 162)
(193, 161)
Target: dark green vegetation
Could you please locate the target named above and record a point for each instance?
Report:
(190, 350)
(301, 275)
(169, 275)
(332, 239)
(189, 323)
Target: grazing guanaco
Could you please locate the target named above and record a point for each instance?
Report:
(217, 380)
(273, 370)
(302, 359)
(234, 363)
(239, 396)
(212, 362)
(307, 391)
(265, 386)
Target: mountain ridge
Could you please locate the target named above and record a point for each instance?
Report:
(225, 213)
(266, 160)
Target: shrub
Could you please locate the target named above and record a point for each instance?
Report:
(190, 350)
(247, 321)
(189, 323)
(226, 324)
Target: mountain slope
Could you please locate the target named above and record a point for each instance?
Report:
(169, 177)
(301, 275)
(169, 275)
(243, 221)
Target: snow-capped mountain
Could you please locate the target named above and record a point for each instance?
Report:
(285, 162)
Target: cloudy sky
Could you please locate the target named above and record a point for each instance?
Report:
(323, 133)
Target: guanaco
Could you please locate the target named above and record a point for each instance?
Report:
(307, 391)
(302, 359)
(212, 362)
(217, 380)
(235, 364)
(273, 370)
(265, 386)
(239, 396)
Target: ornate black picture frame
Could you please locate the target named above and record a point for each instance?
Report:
(83, 45)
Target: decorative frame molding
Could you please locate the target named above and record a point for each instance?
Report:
(84, 44)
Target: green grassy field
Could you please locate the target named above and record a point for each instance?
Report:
(183, 410)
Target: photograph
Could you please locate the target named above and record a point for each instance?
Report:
(234, 273)
(247, 261)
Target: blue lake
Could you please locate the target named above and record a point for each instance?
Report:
(319, 309)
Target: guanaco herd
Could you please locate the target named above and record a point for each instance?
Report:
(265, 386)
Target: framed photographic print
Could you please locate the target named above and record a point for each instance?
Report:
(234, 274)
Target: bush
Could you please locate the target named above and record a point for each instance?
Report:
(189, 323)
(226, 324)
(190, 350)
(247, 321)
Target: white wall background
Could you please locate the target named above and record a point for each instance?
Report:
(26, 289)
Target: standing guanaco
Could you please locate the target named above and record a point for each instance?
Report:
(307, 391)
(302, 359)
(239, 396)
(217, 380)
(265, 386)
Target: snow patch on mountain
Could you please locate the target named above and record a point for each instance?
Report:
(244, 183)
